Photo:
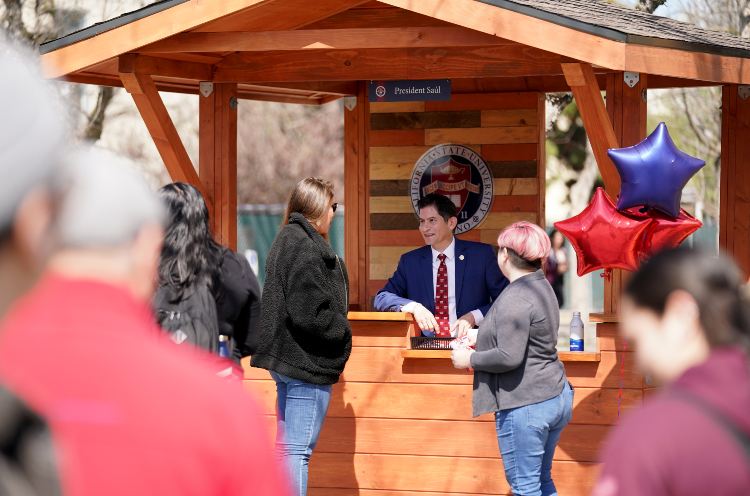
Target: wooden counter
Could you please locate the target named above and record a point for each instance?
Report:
(400, 420)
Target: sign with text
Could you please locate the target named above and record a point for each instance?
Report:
(410, 90)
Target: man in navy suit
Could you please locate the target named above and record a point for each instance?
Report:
(468, 270)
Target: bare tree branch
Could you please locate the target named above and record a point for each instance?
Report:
(95, 119)
(12, 21)
(649, 5)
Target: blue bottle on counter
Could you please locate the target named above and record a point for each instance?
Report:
(223, 347)
(576, 332)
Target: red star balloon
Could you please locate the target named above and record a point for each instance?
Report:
(664, 231)
(603, 237)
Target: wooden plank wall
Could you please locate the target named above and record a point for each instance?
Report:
(734, 230)
(506, 129)
(400, 427)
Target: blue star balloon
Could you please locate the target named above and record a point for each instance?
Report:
(654, 172)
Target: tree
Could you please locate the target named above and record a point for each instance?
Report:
(570, 158)
(694, 113)
(35, 22)
(279, 144)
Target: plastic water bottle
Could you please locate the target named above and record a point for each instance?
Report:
(223, 346)
(576, 332)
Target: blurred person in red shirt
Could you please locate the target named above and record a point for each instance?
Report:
(688, 318)
(131, 413)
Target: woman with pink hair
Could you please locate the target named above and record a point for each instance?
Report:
(517, 374)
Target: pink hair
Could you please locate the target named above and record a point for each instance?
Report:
(528, 240)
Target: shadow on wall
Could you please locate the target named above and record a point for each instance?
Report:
(332, 463)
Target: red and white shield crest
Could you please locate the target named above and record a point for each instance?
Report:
(453, 180)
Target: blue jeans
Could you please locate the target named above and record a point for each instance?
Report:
(527, 437)
(301, 409)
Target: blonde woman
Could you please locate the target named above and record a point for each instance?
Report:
(305, 338)
(517, 374)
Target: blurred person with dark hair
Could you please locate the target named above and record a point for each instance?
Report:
(557, 265)
(131, 413)
(688, 317)
(449, 284)
(32, 132)
(190, 258)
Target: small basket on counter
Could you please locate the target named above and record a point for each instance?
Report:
(429, 343)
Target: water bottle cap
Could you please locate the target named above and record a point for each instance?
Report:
(222, 338)
(577, 314)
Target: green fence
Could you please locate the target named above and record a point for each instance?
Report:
(257, 226)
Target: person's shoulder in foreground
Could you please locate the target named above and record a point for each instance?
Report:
(134, 413)
(28, 464)
(669, 446)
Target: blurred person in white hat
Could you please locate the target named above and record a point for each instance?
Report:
(32, 132)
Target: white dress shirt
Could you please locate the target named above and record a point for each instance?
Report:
(450, 264)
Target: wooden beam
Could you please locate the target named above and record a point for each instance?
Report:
(587, 94)
(384, 17)
(403, 63)
(160, 126)
(218, 158)
(338, 88)
(129, 37)
(734, 211)
(281, 15)
(548, 36)
(627, 110)
(356, 181)
(155, 66)
(342, 39)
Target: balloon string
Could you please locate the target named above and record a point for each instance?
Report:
(606, 274)
(622, 377)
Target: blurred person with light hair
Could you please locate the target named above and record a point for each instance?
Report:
(131, 412)
(32, 132)
(517, 373)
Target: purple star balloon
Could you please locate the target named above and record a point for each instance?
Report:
(654, 172)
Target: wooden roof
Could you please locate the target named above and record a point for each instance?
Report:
(312, 52)
(618, 23)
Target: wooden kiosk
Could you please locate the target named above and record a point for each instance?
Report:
(400, 420)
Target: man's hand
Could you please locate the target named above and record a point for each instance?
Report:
(460, 327)
(461, 358)
(424, 318)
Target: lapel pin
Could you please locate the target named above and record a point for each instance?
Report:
(460, 257)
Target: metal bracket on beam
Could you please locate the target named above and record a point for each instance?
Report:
(631, 78)
(206, 88)
(743, 91)
(350, 102)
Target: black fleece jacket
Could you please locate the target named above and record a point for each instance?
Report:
(304, 332)
(237, 294)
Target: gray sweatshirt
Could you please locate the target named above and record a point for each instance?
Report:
(516, 361)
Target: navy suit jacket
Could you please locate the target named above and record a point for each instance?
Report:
(478, 280)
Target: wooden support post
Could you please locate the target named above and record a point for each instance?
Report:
(356, 194)
(734, 225)
(587, 94)
(151, 107)
(218, 158)
(626, 107)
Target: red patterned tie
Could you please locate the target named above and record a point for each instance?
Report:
(441, 299)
